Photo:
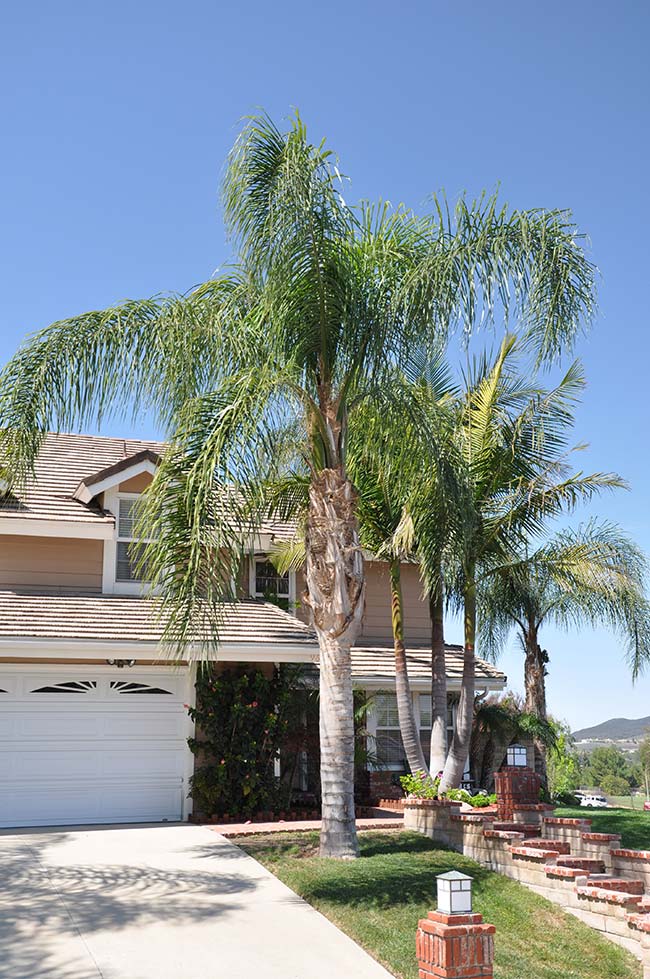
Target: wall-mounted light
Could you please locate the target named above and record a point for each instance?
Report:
(454, 893)
(517, 756)
(121, 663)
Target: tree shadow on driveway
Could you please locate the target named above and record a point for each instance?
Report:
(46, 907)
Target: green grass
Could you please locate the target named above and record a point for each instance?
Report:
(378, 899)
(634, 826)
(627, 801)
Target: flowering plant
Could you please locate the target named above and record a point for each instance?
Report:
(241, 718)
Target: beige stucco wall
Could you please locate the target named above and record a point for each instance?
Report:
(51, 562)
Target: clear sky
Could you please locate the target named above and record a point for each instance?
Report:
(116, 119)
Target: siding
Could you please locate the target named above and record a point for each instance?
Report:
(137, 484)
(377, 619)
(51, 562)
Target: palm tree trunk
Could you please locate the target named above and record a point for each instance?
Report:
(335, 593)
(535, 685)
(458, 753)
(408, 728)
(438, 753)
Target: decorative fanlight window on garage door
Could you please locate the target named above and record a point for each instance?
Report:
(68, 686)
(126, 686)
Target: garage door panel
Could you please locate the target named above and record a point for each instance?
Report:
(86, 763)
(50, 804)
(69, 724)
(97, 755)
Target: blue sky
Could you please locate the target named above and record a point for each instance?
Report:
(116, 119)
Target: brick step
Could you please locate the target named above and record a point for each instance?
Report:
(582, 824)
(616, 883)
(639, 921)
(502, 834)
(588, 864)
(564, 873)
(623, 898)
(533, 853)
(528, 829)
(559, 846)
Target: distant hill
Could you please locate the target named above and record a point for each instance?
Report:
(616, 729)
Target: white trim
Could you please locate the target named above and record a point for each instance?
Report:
(87, 493)
(190, 731)
(378, 685)
(45, 648)
(252, 592)
(110, 584)
(100, 529)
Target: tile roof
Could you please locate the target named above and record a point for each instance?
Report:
(63, 462)
(121, 618)
(377, 663)
(95, 617)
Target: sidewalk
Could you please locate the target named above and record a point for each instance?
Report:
(389, 821)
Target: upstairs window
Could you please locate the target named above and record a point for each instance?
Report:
(128, 549)
(269, 584)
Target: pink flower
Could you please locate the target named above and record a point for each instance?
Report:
(223, 761)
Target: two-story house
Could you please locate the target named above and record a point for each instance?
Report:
(93, 718)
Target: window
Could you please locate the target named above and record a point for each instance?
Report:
(425, 723)
(127, 551)
(269, 584)
(389, 747)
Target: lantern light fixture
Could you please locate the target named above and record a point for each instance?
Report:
(454, 893)
(517, 756)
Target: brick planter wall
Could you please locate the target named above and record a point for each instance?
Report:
(588, 874)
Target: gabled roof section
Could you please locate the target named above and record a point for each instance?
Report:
(90, 487)
(48, 500)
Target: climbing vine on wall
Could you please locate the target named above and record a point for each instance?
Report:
(242, 718)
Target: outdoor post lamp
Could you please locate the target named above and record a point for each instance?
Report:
(454, 893)
(517, 756)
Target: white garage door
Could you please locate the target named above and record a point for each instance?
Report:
(82, 745)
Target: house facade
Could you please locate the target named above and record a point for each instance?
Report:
(93, 716)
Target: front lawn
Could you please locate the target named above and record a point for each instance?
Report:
(634, 826)
(378, 899)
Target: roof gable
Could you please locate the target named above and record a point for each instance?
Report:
(90, 487)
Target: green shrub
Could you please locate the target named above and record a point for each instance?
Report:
(420, 785)
(241, 719)
(458, 795)
(482, 800)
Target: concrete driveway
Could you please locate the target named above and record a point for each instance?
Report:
(159, 902)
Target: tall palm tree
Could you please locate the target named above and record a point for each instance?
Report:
(323, 304)
(588, 576)
(511, 439)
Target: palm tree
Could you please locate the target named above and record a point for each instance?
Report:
(497, 722)
(323, 304)
(510, 444)
(588, 576)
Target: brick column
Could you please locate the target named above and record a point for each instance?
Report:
(515, 786)
(454, 946)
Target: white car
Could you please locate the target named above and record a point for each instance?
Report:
(594, 802)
